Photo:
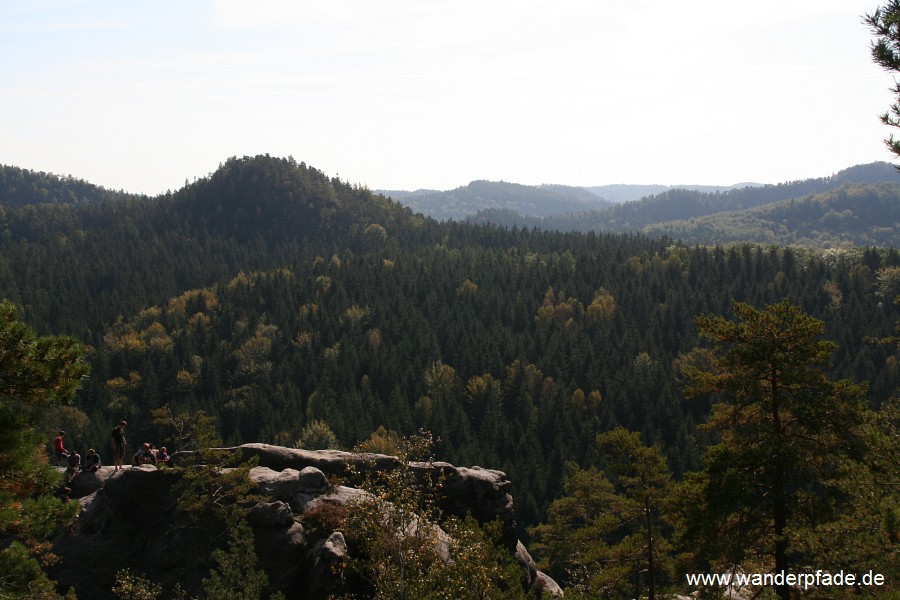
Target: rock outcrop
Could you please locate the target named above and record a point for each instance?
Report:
(127, 521)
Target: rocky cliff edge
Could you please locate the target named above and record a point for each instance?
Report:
(127, 517)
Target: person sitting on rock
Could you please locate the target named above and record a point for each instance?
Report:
(143, 456)
(163, 456)
(74, 461)
(91, 461)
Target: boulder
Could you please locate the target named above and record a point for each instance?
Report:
(85, 483)
(331, 462)
(524, 558)
(313, 481)
(280, 552)
(546, 587)
(270, 515)
(483, 493)
(124, 522)
(327, 577)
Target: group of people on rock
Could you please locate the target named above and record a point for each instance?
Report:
(146, 454)
(74, 465)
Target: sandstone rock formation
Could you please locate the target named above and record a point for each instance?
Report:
(127, 516)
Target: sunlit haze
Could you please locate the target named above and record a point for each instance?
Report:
(435, 93)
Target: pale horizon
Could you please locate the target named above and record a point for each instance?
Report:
(433, 95)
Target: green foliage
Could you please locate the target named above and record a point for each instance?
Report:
(382, 441)
(23, 462)
(129, 586)
(606, 536)
(21, 575)
(869, 525)
(402, 552)
(188, 431)
(37, 370)
(235, 576)
(883, 23)
(316, 436)
(783, 428)
(854, 207)
(34, 371)
(265, 297)
(577, 522)
(213, 494)
(23, 187)
(847, 216)
(36, 518)
(479, 567)
(524, 414)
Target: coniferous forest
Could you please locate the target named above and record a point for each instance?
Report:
(272, 297)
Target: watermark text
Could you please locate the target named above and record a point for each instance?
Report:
(805, 581)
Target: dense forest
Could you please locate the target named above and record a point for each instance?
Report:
(273, 297)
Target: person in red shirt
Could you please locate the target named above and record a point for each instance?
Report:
(59, 449)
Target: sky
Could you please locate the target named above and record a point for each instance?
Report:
(410, 94)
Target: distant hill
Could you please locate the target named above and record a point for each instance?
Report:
(534, 201)
(851, 215)
(700, 217)
(642, 204)
(626, 192)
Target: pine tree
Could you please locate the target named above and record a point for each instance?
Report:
(34, 372)
(605, 535)
(885, 25)
(782, 427)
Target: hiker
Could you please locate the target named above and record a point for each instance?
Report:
(119, 443)
(91, 461)
(59, 449)
(163, 456)
(74, 461)
(143, 456)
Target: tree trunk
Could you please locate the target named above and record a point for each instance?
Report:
(651, 575)
(779, 483)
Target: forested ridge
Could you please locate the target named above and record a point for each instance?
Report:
(855, 207)
(539, 201)
(21, 187)
(76, 267)
(272, 297)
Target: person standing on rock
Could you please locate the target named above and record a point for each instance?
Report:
(119, 443)
(59, 448)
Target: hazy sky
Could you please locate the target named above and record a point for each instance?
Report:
(405, 94)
